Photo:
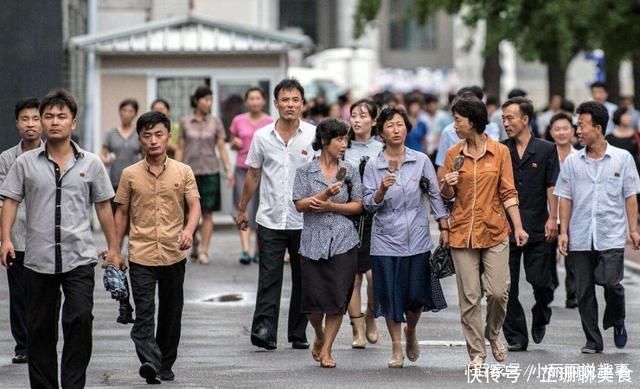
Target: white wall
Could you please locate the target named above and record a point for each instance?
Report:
(261, 14)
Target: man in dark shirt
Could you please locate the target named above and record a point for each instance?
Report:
(535, 170)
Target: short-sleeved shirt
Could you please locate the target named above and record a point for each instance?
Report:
(200, 142)
(156, 210)
(279, 162)
(361, 152)
(326, 234)
(58, 204)
(598, 190)
(243, 128)
(416, 137)
(19, 230)
(127, 151)
(533, 174)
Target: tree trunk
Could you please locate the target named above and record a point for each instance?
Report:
(635, 63)
(612, 76)
(556, 79)
(491, 74)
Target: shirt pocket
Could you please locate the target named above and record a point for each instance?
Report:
(614, 186)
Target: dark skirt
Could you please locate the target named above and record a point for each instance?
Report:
(209, 190)
(405, 284)
(327, 284)
(365, 222)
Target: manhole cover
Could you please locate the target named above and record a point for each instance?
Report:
(224, 298)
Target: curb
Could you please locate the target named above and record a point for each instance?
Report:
(632, 266)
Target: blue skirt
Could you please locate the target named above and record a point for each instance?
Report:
(405, 284)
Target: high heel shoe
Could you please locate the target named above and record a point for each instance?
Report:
(357, 323)
(397, 362)
(371, 327)
(413, 348)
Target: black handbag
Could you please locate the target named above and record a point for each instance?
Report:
(442, 263)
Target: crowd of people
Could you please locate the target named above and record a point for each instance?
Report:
(345, 195)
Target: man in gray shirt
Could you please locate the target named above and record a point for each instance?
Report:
(58, 184)
(29, 128)
(597, 188)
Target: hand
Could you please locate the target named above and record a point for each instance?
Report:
(230, 178)
(387, 182)
(236, 143)
(318, 205)
(452, 178)
(521, 237)
(6, 250)
(563, 244)
(551, 229)
(635, 239)
(185, 240)
(115, 258)
(444, 239)
(242, 220)
(333, 189)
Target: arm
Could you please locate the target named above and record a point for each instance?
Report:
(8, 217)
(122, 222)
(186, 236)
(251, 181)
(224, 157)
(105, 216)
(104, 156)
(631, 207)
(551, 227)
(565, 216)
(179, 149)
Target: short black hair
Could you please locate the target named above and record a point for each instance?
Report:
(161, 101)
(319, 109)
(492, 100)
(567, 106)
(29, 103)
(474, 89)
(617, 115)
(328, 129)
(288, 84)
(132, 102)
(561, 116)
(150, 119)
(525, 105)
(598, 112)
(201, 91)
(517, 92)
(388, 113)
(472, 108)
(599, 84)
(430, 98)
(255, 89)
(59, 98)
(372, 108)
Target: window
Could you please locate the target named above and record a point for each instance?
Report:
(177, 91)
(405, 33)
(299, 14)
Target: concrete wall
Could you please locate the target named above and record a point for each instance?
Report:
(189, 61)
(259, 14)
(114, 89)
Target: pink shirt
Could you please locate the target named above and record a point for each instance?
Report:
(243, 128)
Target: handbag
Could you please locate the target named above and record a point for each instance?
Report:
(442, 263)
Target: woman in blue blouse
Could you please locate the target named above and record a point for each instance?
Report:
(326, 191)
(395, 185)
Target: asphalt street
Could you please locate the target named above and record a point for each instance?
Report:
(215, 350)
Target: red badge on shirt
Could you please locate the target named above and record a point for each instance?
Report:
(304, 152)
(534, 165)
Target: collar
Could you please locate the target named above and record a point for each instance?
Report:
(164, 163)
(20, 149)
(314, 167)
(273, 126)
(531, 146)
(365, 143)
(77, 151)
(582, 153)
(490, 146)
(409, 156)
(194, 118)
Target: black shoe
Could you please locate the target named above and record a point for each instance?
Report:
(20, 358)
(537, 333)
(590, 348)
(300, 345)
(620, 336)
(571, 304)
(149, 373)
(261, 340)
(516, 347)
(126, 313)
(167, 375)
(245, 259)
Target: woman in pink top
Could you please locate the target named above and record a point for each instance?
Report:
(242, 128)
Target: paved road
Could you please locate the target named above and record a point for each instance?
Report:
(215, 351)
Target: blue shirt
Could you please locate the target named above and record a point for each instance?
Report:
(415, 137)
(598, 190)
(362, 150)
(401, 224)
(448, 138)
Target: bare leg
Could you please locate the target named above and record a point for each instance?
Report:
(413, 349)
(371, 330)
(332, 325)
(206, 231)
(316, 322)
(369, 291)
(355, 307)
(244, 239)
(397, 358)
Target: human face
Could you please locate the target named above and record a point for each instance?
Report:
(29, 125)
(625, 120)
(588, 133)
(159, 107)
(513, 120)
(254, 102)
(432, 108)
(394, 131)
(462, 125)
(361, 122)
(58, 123)
(336, 148)
(555, 103)
(289, 104)
(599, 94)
(127, 114)
(562, 132)
(203, 105)
(334, 111)
(154, 140)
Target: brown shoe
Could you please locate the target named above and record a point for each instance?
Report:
(358, 325)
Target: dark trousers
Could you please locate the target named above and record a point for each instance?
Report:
(604, 268)
(538, 273)
(272, 246)
(43, 296)
(569, 278)
(18, 303)
(161, 348)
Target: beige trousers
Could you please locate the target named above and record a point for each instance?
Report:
(496, 284)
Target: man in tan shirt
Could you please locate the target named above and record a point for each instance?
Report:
(151, 201)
